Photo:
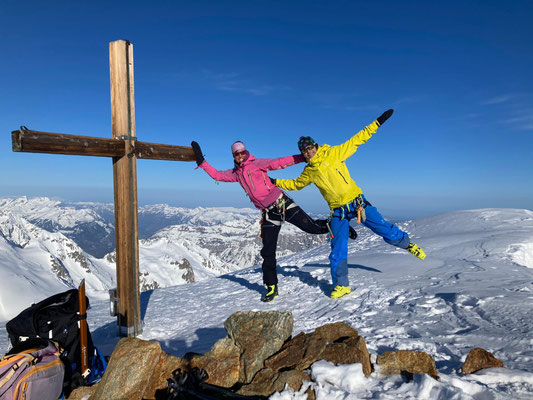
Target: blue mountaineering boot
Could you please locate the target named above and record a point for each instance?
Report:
(271, 294)
(416, 251)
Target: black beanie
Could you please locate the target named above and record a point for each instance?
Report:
(304, 142)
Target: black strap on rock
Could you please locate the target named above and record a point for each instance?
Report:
(192, 385)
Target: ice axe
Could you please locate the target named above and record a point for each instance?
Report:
(85, 371)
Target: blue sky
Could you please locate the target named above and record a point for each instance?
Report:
(457, 73)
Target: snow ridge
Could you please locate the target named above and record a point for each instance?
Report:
(475, 289)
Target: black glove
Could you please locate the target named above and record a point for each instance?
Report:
(385, 116)
(272, 180)
(197, 152)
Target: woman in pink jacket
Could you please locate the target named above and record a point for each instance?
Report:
(276, 206)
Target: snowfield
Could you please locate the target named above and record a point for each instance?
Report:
(475, 289)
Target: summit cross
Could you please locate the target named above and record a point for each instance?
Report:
(124, 149)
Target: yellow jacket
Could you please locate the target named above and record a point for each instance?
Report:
(328, 171)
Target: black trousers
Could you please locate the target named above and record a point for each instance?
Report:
(270, 226)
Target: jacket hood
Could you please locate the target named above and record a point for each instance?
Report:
(320, 155)
(247, 160)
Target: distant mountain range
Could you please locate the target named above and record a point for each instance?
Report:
(48, 246)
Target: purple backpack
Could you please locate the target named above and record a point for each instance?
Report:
(35, 373)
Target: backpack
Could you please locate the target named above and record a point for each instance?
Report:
(56, 318)
(35, 373)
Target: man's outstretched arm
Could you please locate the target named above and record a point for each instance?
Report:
(293, 184)
(347, 149)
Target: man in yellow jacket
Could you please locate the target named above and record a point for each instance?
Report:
(327, 170)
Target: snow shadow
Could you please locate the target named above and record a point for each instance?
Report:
(206, 338)
(306, 277)
(452, 364)
(244, 282)
(355, 266)
(322, 281)
(358, 266)
(145, 299)
(106, 338)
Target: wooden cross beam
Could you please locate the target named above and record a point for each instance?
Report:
(25, 140)
(124, 150)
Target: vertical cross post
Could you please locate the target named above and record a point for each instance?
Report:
(125, 188)
(124, 150)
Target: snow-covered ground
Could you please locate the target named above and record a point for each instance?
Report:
(475, 289)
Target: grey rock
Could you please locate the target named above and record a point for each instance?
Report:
(479, 359)
(129, 371)
(268, 382)
(407, 362)
(351, 350)
(258, 335)
(222, 363)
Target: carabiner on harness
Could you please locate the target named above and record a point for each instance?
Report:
(359, 207)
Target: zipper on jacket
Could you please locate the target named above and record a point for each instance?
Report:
(251, 181)
(342, 176)
(265, 181)
(244, 186)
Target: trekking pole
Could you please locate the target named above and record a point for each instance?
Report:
(85, 371)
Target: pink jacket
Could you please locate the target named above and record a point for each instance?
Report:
(252, 176)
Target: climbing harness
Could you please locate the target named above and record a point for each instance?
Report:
(278, 208)
(357, 205)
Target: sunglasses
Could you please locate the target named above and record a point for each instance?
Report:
(239, 153)
(308, 148)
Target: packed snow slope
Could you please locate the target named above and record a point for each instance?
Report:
(474, 289)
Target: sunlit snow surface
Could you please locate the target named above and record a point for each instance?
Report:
(475, 289)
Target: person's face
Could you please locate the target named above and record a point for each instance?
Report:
(239, 156)
(309, 152)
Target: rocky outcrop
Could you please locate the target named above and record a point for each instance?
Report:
(267, 381)
(257, 357)
(479, 359)
(299, 353)
(337, 342)
(162, 371)
(349, 351)
(136, 370)
(82, 392)
(407, 362)
(258, 335)
(222, 363)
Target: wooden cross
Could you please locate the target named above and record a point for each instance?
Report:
(124, 150)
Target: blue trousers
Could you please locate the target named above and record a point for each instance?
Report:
(340, 223)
